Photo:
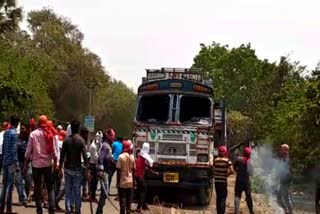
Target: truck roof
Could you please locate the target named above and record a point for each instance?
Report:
(192, 74)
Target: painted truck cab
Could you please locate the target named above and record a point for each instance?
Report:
(177, 115)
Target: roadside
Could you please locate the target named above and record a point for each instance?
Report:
(261, 205)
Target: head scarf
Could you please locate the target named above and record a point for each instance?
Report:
(50, 133)
(145, 153)
(246, 155)
(126, 147)
(59, 127)
(222, 151)
(32, 124)
(99, 137)
(62, 135)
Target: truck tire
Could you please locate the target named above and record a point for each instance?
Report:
(205, 194)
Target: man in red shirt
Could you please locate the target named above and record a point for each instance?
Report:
(143, 162)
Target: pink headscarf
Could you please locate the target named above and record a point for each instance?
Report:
(246, 155)
(222, 151)
(126, 146)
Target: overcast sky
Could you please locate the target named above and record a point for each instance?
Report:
(132, 35)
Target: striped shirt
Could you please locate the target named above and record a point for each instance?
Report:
(221, 169)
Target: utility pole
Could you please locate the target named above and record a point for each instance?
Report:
(89, 120)
(91, 84)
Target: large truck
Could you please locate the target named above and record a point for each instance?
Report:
(177, 115)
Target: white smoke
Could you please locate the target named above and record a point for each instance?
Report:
(267, 169)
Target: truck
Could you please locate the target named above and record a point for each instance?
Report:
(177, 115)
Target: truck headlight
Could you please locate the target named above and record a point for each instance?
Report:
(202, 158)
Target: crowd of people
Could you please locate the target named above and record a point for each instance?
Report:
(223, 167)
(57, 163)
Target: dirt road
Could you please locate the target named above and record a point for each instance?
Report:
(260, 205)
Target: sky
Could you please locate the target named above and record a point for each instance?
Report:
(131, 35)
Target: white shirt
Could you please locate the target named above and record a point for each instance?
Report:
(1, 141)
(58, 145)
(94, 152)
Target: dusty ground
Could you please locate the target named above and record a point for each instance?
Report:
(260, 205)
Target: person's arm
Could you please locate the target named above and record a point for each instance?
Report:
(133, 171)
(14, 142)
(149, 168)
(230, 169)
(118, 166)
(28, 153)
(92, 151)
(235, 165)
(84, 153)
(102, 157)
(55, 156)
(63, 154)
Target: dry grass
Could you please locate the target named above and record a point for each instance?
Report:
(164, 208)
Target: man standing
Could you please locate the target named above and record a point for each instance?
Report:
(10, 164)
(73, 149)
(125, 178)
(243, 168)
(285, 177)
(143, 162)
(23, 182)
(116, 151)
(103, 166)
(222, 169)
(94, 155)
(41, 153)
(4, 126)
(84, 133)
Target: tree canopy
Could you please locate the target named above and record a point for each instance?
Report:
(269, 102)
(49, 71)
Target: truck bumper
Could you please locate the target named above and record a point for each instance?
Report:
(180, 185)
(189, 177)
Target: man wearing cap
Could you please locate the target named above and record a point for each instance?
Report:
(222, 169)
(285, 178)
(10, 164)
(42, 154)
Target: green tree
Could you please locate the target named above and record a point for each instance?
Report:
(26, 98)
(10, 16)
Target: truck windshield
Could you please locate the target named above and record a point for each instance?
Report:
(153, 108)
(195, 109)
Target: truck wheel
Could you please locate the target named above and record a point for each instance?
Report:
(205, 194)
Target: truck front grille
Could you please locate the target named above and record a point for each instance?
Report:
(177, 149)
(173, 137)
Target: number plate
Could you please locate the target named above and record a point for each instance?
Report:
(170, 177)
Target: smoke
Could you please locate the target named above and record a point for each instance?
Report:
(267, 169)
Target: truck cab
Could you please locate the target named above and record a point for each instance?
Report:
(177, 115)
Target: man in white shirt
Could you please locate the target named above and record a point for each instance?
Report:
(94, 151)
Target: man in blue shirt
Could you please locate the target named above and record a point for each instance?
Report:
(10, 164)
(116, 152)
